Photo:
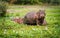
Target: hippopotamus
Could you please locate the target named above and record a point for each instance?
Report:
(33, 18)
(41, 17)
(30, 18)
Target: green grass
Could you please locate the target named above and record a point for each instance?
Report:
(10, 29)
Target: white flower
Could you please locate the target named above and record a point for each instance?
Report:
(33, 29)
(55, 31)
(13, 30)
(46, 28)
(5, 31)
(16, 32)
(22, 32)
(17, 17)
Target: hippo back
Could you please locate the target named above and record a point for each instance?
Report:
(31, 15)
(30, 18)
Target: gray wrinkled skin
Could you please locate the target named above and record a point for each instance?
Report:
(34, 18)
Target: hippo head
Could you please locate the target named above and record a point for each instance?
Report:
(41, 14)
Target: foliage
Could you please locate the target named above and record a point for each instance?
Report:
(10, 29)
(54, 2)
(3, 8)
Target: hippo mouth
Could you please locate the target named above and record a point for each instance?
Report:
(41, 20)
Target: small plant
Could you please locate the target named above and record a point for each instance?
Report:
(3, 8)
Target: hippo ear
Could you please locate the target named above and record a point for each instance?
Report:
(44, 10)
(39, 10)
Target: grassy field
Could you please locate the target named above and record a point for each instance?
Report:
(10, 29)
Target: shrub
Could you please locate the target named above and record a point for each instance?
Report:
(3, 8)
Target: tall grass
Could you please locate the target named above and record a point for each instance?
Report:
(10, 29)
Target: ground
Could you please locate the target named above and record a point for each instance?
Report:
(11, 29)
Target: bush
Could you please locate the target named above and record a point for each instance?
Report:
(3, 8)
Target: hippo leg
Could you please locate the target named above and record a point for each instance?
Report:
(44, 22)
(37, 22)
